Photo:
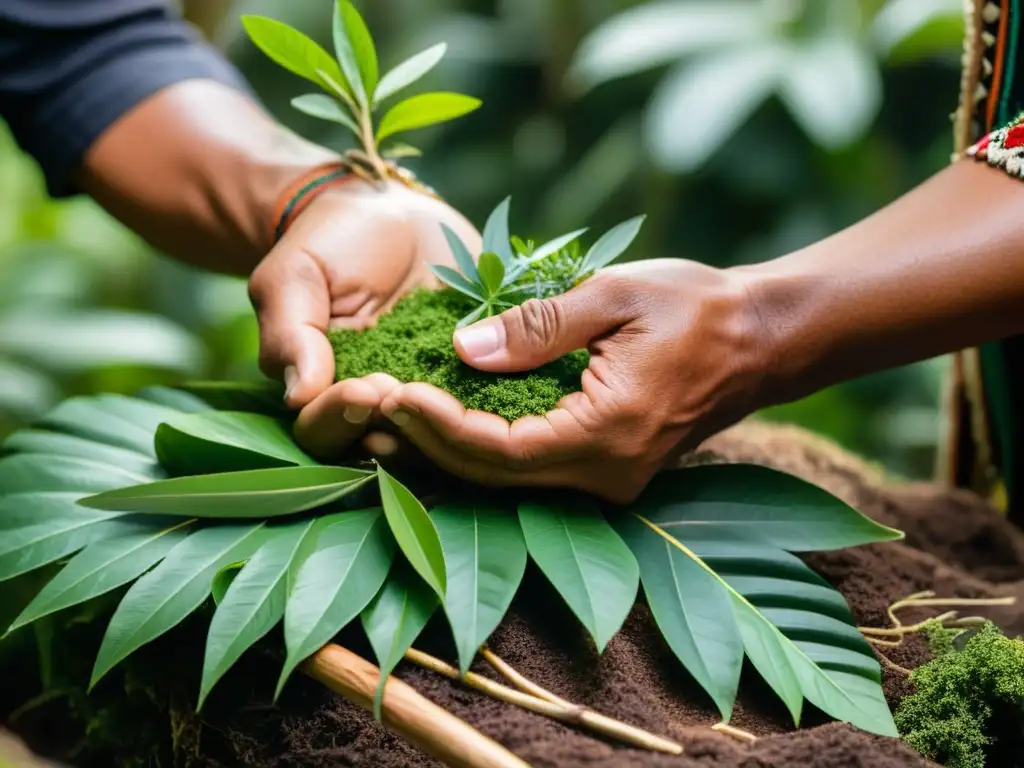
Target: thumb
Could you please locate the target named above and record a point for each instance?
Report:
(541, 330)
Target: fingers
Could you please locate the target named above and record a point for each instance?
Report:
(542, 330)
(292, 302)
(342, 415)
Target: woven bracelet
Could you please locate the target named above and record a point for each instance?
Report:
(301, 192)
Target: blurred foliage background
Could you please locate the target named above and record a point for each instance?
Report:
(743, 128)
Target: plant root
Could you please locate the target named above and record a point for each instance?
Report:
(553, 707)
(736, 733)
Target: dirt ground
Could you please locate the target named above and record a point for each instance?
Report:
(955, 545)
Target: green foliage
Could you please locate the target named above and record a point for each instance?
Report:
(353, 82)
(414, 343)
(960, 694)
(940, 639)
(719, 586)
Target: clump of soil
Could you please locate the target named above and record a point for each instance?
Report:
(956, 545)
(413, 342)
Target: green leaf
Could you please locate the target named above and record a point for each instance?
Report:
(166, 595)
(115, 420)
(177, 399)
(485, 558)
(352, 558)
(266, 397)
(554, 246)
(423, 110)
(37, 441)
(745, 499)
(473, 316)
(102, 567)
(399, 149)
(409, 71)
(463, 258)
(800, 651)
(225, 441)
(611, 245)
(413, 530)
(28, 472)
(492, 272)
(585, 560)
(254, 602)
(291, 49)
(355, 50)
(256, 494)
(324, 107)
(223, 579)
(692, 610)
(496, 237)
(39, 528)
(453, 279)
(394, 620)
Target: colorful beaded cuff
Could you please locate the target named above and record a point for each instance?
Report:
(1003, 148)
(301, 192)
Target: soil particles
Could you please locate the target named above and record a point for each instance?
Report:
(955, 545)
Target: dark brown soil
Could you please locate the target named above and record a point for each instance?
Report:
(956, 545)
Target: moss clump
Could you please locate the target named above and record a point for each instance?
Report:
(414, 343)
(967, 710)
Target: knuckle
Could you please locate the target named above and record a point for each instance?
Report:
(539, 321)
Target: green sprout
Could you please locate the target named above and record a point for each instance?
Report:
(510, 271)
(354, 89)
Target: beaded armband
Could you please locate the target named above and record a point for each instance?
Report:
(1003, 148)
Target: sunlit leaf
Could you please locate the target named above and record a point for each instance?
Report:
(409, 71)
(611, 245)
(413, 530)
(324, 107)
(496, 237)
(423, 110)
(585, 560)
(485, 558)
(253, 494)
(492, 272)
(166, 595)
(291, 49)
(355, 50)
(335, 583)
(554, 246)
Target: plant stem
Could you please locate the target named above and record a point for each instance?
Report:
(737, 733)
(504, 669)
(408, 714)
(564, 712)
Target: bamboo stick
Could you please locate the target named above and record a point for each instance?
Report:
(408, 714)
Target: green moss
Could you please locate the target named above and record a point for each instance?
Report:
(414, 343)
(940, 639)
(967, 710)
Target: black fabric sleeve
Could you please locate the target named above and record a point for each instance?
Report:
(70, 68)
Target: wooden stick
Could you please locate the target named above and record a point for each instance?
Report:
(408, 714)
(519, 680)
(572, 714)
(737, 733)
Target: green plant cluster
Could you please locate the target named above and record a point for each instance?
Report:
(414, 343)
(966, 701)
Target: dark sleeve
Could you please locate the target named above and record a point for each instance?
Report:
(70, 68)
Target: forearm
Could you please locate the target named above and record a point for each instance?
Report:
(196, 170)
(940, 269)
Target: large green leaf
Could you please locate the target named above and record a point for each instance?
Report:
(291, 49)
(485, 558)
(800, 650)
(336, 582)
(423, 110)
(322, 106)
(39, 441)
(178, 399)
(41, 472)
(355, 50)
(254, 602)
(744, 500)
(101, 567)
(39, 528)
(585, 560)
(409, 71)
(394, 620)
(226, 441)
(413, 530)
(496, 236)
(165, 596)
(255, 494)
(693, 611)
(266, 397)
(111, 419)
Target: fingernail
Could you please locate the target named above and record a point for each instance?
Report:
(479, 340)
(291, 381)
(381, 444)
(401, 418)
(356, 414)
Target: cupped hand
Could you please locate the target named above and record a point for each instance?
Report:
(677, 350)
(346, 259)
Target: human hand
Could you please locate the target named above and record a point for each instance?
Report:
(677, 350)
(346, 259)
